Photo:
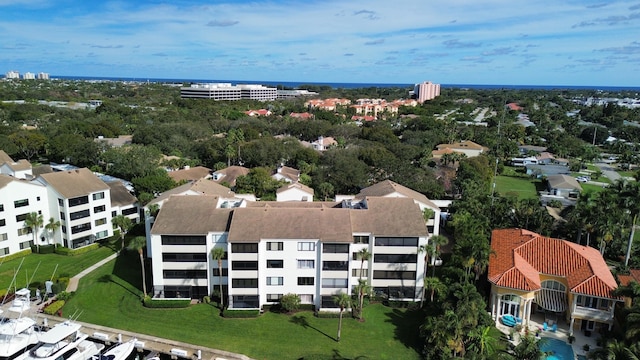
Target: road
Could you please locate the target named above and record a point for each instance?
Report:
(608, 171)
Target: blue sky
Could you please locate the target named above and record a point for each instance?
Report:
(515, 42)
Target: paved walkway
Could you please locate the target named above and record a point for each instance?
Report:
(73, 282)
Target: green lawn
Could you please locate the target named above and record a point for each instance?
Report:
(40, 267)
(110, 296)
(524, 188)
(589, 187)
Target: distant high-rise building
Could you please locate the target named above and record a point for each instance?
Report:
(426, 91)
(12, 74)
(43, 76)
(29, 76)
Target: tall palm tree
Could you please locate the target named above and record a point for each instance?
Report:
(137, 244)
(217, 253)
(630, 195)
(363, 255)
(52, 226)
(34, 221)
(484, 343)
(343, 301)
(124, 224)
(363, 288)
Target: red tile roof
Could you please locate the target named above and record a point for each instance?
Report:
(520, 256)
(634, 275)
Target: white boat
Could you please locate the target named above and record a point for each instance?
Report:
(17, 334)
(118, 352)
(63, 341)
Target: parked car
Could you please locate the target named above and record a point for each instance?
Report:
(583, 179)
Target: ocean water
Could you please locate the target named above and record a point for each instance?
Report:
(293, 84)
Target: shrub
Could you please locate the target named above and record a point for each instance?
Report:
(290, 302)
(328, 314)
(53, 308)
(63, 295)
(61, 250)
(206, 300)
(46, 249)
(241, 313)
(166, 303)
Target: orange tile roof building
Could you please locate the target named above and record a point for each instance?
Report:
(531, 273)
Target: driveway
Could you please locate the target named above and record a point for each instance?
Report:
(608, 171)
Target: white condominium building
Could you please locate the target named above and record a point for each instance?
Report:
(82, 203)
(19, 197)
(275, 248)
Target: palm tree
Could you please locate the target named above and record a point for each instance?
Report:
(427, 249)
(363, 288)
(138, 243)
(485, 343)
(217, 253)
(124, 224)
(52, 226)
(363, 255)
(34, 221)
(343, 301)
(435, 285)
(614, 350)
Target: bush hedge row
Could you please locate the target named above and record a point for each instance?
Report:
(330, 314)
(241, 313)
(53, 308)
(61, 250)
(166, 303)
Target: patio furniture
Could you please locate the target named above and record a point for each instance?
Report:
(508, 320)
(554, 327)
(545, 326)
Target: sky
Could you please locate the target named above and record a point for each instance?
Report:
(492, 42)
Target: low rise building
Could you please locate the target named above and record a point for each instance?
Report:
(275, 248)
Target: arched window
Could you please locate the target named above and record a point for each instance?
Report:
(554, 285)
(552, 296)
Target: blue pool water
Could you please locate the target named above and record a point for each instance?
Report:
(559, 349)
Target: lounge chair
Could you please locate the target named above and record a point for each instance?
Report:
(508, 320)
(545, 327)
(554, 327)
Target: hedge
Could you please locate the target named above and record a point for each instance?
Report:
(330, 314)
(61, 250)
(53, 308)
(17, 255)
(166, 303)
(241, 313)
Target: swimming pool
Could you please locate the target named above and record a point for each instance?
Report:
(559, 350)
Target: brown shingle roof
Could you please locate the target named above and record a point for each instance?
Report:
(295, 186)
(19, 165)
(388, 187)
(562, 181)
(194, 173)
(231, 173)
(202, 186)
(75, 183)
(120, 196)
(520, 256)
(466, 144)
(4, 157)
(289, 172)
(191, 215)
(254, 224)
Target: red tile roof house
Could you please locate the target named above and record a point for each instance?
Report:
(529, 272)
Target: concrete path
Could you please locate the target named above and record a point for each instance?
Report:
(73, 282)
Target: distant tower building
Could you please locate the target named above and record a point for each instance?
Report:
(11, 74)
(43, 76)
(29, 76)
(426, 91)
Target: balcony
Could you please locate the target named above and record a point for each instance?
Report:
(586, 313)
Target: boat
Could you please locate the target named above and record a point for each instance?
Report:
(119, 351)
(17, 334)
(63, 341)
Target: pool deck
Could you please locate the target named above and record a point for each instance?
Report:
(536, 323)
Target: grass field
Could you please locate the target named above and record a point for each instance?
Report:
(110, 296)
(41, 267)
(524, 188)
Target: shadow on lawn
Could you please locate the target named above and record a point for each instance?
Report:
(407, 327)
(302, 321)
(334, 356)
(127, 270)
